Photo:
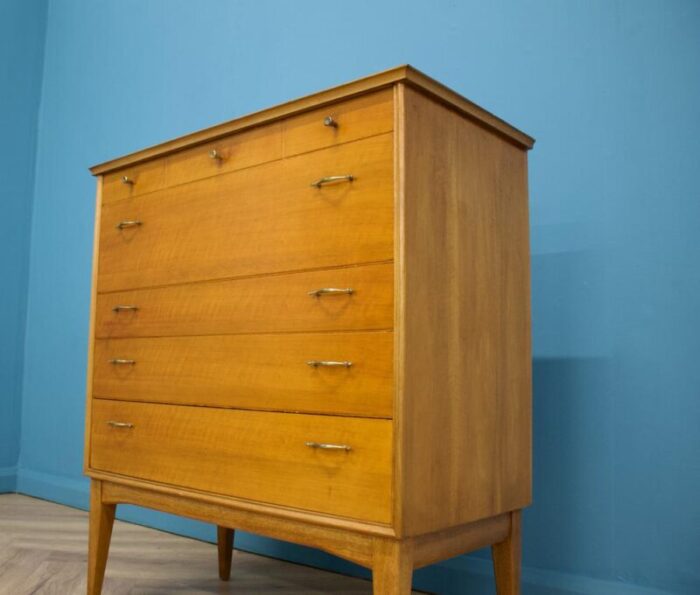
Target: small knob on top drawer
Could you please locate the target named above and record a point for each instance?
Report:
(330, 121)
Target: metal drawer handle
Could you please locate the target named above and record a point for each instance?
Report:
(129, 223)
(324, 446)
(329, 179)
(124, 308)
(215, 155)
(122, 362)
(330, 121)
(316, 363)
(331, 291)
(120, 424)
(127, 180)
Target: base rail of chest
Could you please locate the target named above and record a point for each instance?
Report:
(391, 558)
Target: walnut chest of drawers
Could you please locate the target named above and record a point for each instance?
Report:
(313, 323)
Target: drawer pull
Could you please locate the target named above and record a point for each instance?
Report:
(124, 308)
(330, 179)
(324, 446)
(129, 223)
(127, 180)
(120, 424)
(216, 156)
(122, 362)
(330, 121)
(331, 291)
(315, 363)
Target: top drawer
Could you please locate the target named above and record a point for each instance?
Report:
(230, 153)
(367, 115)
(364, 116)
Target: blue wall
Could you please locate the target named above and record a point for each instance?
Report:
(611, 91)
(22, 28)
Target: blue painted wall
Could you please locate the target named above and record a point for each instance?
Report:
(22, 28)
(611, 91)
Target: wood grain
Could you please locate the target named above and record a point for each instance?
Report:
(465, 405)
(367, 115)
(252, 455)
(400, 74)
(236, 151)
(263, 219)
(247, 513)
(267, 372)
(271, 303)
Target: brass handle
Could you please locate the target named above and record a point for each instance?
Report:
(124, 308)
(117, 361)
(120, 424)
(329, 179)
(319, 363)
(330, 121)
(129, 223)
(331, 291)
(127, 180)
(215, 155)
(325, 446)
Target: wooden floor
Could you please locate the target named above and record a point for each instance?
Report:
(43, 550)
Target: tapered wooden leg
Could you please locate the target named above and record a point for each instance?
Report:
(392, 570)
(101, 523)
(225, 542)
(506, 559)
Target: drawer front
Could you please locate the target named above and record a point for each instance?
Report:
(230, 153)
(258, 456)
(275, 303)
(336, 373)
(367, 115)
(258, 220)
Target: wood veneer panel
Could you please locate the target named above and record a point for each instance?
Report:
(267, 304)
(259, 456)
(265, 371)
(465, 375)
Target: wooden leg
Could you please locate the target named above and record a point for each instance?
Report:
(101, 522)
(506, 559)
(225, 542)
(392, 570)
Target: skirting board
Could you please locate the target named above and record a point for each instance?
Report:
(466, 574)
(8, 480)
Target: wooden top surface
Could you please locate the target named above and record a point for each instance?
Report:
(401, 74)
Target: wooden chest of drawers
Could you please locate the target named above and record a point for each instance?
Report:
(313, 323)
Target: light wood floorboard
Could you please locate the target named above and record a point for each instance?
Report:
(43, 550)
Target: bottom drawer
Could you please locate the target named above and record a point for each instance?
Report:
(255, 455)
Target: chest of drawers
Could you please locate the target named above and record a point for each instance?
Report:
(313, 323)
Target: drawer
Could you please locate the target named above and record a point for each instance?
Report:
(254, 455)
(274, 303)
(257, 220)
(229, 153)
(367, 115)
(292, 372)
